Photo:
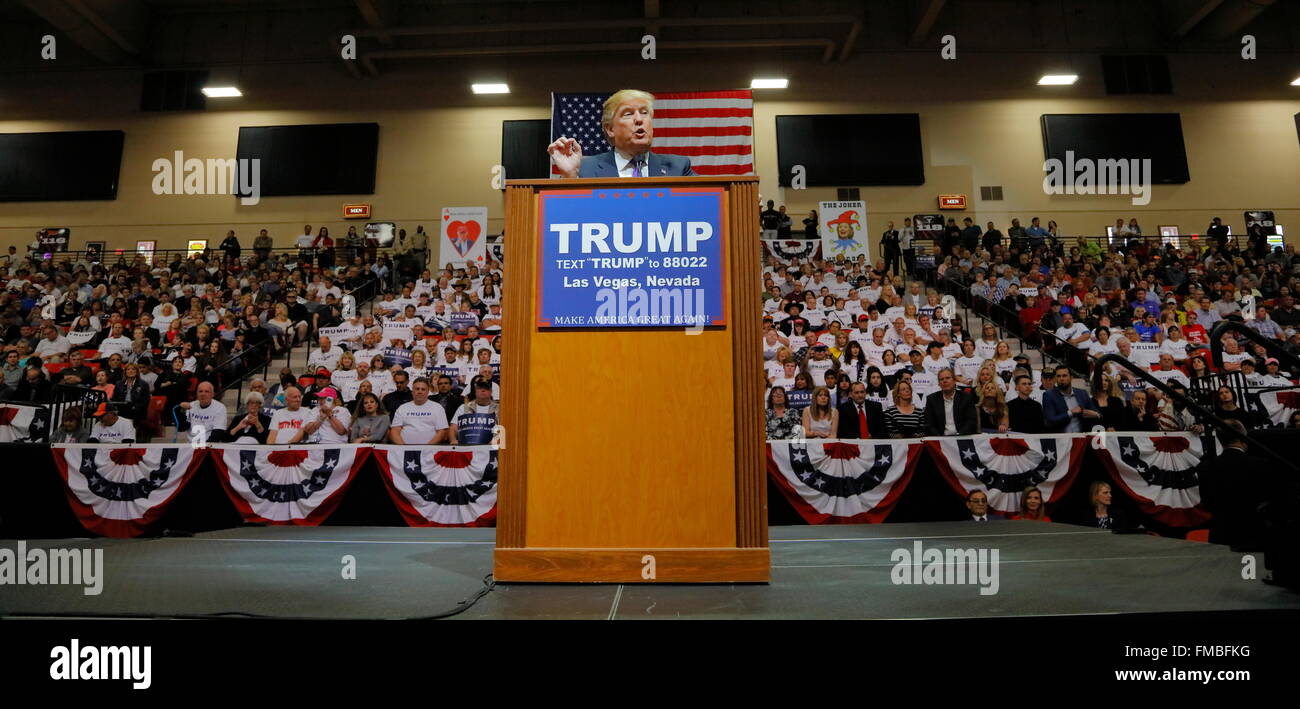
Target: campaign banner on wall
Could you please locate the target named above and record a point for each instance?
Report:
(1263, 218)
(929, 229)
(464, 235)
(54, 239)
(639, 257)
(844, 229)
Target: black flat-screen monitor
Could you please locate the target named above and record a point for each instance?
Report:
(334, 158)
(58, 167)
(1120, 136)
(523, 149)
(849, 150)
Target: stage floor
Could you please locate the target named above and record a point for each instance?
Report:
(841, 572)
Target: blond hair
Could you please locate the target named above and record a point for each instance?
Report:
(621, 97)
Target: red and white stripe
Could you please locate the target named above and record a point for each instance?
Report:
(715, 129)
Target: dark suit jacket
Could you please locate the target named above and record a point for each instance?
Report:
(963, 414)
(991, 515)
(849, 420)
(603, 165)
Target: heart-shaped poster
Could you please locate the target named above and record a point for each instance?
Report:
(463, 235)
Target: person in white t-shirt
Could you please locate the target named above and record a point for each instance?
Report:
(419, 421)
(287, 423)
(967, 365)
(327, 357)
(111, 428)
(206, 415)
(332, 422)
(1168, 373)
(935, 361)
(116, 342)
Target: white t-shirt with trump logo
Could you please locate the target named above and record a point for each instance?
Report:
(420, 422)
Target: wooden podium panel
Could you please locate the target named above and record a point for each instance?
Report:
(632, 454)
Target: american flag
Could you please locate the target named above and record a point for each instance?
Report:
(715, 129)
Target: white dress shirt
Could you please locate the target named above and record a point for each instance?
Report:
(624, 164)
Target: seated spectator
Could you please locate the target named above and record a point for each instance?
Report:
(332, 423)
(207, 417)
(419, 421)
(132, 394)
(475, 421)
(1031, 506)
(370, 421)
(251, 427)
(111, 428)
(1024, 414)
(287, 424)
(858, 417)
(70, 429)
(977, 503)
(782, 422)
(820, 419)
(949, 411)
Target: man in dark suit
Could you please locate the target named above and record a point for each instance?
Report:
(628, 121)
(949, 412)
(860, 418)
(977, 501)
(1067, 409)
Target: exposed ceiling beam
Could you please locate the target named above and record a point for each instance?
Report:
(854, 30)
(377, 13)
(925, 22)
(607, 24)
(112, 32)
(1203, 8)
(1233, 16)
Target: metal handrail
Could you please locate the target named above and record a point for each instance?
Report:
(1241, 328)
(1200, 412)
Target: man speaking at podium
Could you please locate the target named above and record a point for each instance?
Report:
(628, 122)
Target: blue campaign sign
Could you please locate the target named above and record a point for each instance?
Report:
(632, 257)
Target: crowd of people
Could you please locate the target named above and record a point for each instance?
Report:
(163, 339)
(852, 350)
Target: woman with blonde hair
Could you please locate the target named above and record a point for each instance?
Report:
(904, 419)
(992, 409)
(820, 419)
(1002, 358)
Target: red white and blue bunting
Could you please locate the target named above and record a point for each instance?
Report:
(787, 250)
(438, 486)
(287, 484)
(1003, 466)
(1280, 404)
(120, 492)
(836, 482)
(1160, 472)
(16, 422)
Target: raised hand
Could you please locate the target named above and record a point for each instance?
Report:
(566, 154)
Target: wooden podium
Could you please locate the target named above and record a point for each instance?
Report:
(632, 455)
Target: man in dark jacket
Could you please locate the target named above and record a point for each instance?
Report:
(860, 418)
(949, 411)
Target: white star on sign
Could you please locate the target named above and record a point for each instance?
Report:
(968, 454)
(884, 460)
(1129, 450)
(1050, 455)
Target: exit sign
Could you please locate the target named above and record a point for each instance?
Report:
(356, 211)
(952, 201)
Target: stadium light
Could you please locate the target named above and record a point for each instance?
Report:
(1296, 82)
(1058, 79)
(221, 92)
(769, 83)
(490, 88)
